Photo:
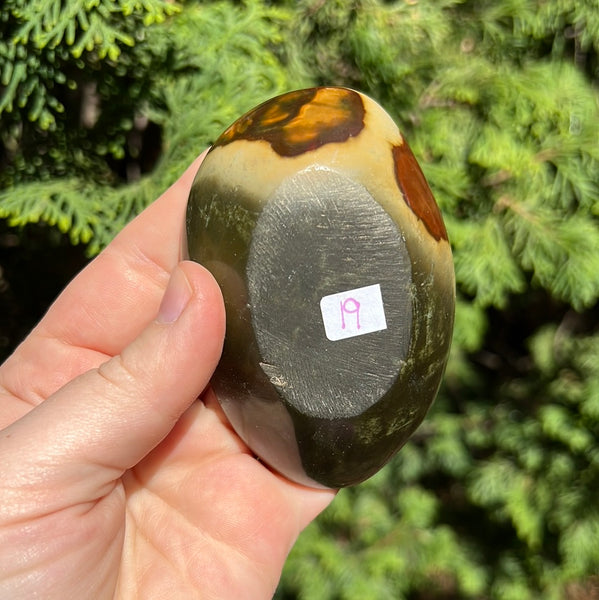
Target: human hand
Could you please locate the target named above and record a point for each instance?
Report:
(115, 483)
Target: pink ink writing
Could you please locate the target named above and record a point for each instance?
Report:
(350, 306)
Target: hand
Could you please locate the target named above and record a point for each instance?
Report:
(115, 482)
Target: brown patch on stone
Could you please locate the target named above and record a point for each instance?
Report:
(301, 121)
(416, 191)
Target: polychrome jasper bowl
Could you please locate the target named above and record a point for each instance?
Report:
(332, 256)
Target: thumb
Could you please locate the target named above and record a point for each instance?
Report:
(103, 422)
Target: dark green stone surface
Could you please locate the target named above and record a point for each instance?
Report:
(320, 411)
(287, 210)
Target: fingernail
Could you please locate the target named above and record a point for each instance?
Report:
(175, 299)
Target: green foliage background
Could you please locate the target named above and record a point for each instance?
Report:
(103, 103)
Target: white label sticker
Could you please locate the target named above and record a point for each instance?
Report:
(354, 312)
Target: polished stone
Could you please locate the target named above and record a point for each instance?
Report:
(334, 263)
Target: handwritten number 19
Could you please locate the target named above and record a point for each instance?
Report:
(349, 306)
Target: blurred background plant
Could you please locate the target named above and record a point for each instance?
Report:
(103, 103)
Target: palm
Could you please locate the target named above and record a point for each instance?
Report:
(223, 514)
(196, 517)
